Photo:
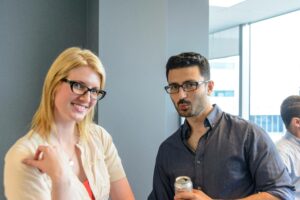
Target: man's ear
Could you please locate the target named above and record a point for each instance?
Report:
(296, 122)
(210, 87)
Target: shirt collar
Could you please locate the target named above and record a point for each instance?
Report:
(210, 121)
(293, 137)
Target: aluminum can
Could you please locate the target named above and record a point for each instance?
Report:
(183, 183)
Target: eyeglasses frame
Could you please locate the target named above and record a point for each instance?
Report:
(71, 83)
(199, 83)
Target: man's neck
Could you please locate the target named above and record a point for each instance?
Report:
(295, 132)
(198, 122)
(198, 128)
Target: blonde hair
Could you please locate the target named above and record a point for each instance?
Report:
(69, 59)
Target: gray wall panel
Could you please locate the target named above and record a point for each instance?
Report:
(188, 26)
(32, 34)
(136, 38)
(133, 49)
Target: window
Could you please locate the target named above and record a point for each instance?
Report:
(270, 69)
(274, 70)
(225, 73)
(224, 63)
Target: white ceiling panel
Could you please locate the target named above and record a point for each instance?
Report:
(248, 11)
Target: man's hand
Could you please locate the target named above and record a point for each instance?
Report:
(194, 195)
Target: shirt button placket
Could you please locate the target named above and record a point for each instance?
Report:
(198, 171)
(198, 182)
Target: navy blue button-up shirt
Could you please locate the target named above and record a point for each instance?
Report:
(233, 159)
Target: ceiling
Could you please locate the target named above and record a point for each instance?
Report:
(247, 12)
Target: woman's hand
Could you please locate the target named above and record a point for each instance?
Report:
(48, 160)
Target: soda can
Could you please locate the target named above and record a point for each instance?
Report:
(183, 183)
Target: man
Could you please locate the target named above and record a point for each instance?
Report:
(289, 145)
(225, 156)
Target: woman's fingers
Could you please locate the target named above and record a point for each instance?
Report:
(43, 149)
(33, 163)
(36, 161)
(38, 155)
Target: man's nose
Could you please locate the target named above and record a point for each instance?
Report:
(181, 93)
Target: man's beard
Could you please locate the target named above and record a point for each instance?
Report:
(186, 113)
(190, 112)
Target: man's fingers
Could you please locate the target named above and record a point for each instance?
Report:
(184, 195)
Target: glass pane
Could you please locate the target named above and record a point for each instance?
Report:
(224, 62)
(225, 74)
(275, 69)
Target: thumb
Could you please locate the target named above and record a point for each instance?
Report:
(32, 163)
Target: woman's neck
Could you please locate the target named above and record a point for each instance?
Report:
(66, 133)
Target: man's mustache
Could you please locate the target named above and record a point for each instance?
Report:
(181, 101)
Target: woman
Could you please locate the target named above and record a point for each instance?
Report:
(65, 155)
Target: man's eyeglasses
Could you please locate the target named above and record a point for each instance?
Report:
(187, 86)
(81, 89)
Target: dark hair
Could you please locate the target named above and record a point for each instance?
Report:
(188, 59)
(290, 108)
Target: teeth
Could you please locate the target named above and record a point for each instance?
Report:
(80, 108)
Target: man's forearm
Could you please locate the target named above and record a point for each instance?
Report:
(261, 195)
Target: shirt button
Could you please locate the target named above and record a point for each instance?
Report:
(198, 162)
